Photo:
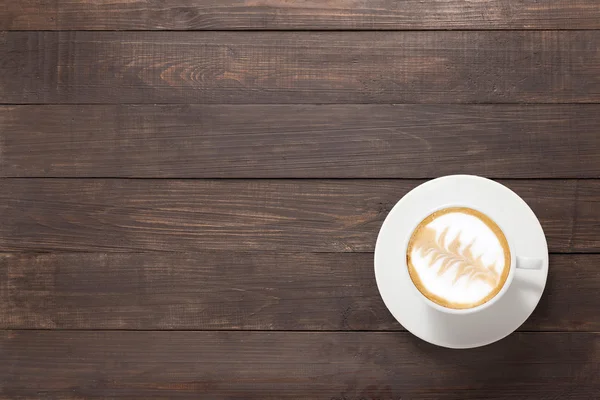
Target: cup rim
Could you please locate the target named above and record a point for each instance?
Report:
(463, 311)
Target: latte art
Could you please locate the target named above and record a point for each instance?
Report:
(458, 258)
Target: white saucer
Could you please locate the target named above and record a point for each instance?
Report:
(520, 225)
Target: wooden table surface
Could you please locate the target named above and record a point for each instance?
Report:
(191, 192)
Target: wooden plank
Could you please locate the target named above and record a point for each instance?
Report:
(28, 14)
(300, 67)
(235, 215)
(283, 14)
(300, 141)
(292, 365)
(588, 195)
(242, 291)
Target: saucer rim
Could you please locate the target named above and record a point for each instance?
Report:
(409, 295)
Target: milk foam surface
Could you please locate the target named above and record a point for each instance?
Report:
(463, 260)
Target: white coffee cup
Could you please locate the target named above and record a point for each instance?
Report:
(516, 262)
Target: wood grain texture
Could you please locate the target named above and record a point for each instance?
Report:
(588, 193)
(236, 215)
(300, 67)
(285, 14)
(293, 365)
(29, 14)
(242, 291)
(300, 141)
(261, 288)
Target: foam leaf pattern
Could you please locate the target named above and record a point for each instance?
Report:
(466, 264)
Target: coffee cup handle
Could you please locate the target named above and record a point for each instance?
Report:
(529, 263)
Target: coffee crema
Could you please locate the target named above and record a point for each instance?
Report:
(458, 258)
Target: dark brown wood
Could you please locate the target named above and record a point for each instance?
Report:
(261, 286)
(285, 14)
(28, 14)
(300, 67)
(284, 215)
(292, 365)
(300, 141)
(588, 195)
(248, 291)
